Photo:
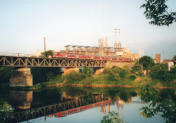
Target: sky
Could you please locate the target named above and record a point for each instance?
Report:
(24, 23)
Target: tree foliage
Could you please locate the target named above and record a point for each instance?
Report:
(174, 60)
(87, 71)
(159, 102)
(5, 73)
(5, 111)
(136, 69)
(116, 74)
(74, 77)
(160, 72)
(157, 12)
(112, 117)
(48, 54)
(147, 62)
(44, 74)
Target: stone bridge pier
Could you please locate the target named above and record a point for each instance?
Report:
(21, 77)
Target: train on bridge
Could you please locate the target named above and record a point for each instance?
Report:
(93, 57)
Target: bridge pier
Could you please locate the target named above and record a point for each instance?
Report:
(21, 77)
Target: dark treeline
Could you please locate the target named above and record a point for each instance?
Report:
(159, 71)
(44, 74)
(39, 74)
(5, 73)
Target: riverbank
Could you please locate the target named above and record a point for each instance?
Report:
(137, 83)
(100, 86)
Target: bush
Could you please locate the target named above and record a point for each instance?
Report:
(132, 77)
(123, 73)
(136, 69)
(160, 71)
(114, 73)
(74, 77)
(117, 73)
(87, 71)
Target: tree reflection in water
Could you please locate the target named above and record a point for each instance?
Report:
(112, 117)
(159, 102)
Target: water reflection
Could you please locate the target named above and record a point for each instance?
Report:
(163, 102)
(21, 99)
(111, 103)
(112, 117)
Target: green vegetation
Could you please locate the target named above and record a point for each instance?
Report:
(146, 62)
(160, 72)
(5, 73)
(157, 12)
(110, 76)
(162, 102)
(158, 75)
(112, 117)
(174, 60)
(45, 74)
(5, 110)
(47, 54)
(137, 69)
(73, 77)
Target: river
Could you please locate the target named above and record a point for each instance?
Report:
(87, 105)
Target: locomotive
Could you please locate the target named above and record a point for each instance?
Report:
(93, 57)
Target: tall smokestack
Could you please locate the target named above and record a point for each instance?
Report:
(44, 44)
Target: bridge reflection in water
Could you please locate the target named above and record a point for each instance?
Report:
(24, 111)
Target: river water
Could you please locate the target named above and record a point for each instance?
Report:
(87, 105)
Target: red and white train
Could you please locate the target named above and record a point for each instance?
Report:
(94, 57)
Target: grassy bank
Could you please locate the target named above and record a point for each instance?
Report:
(114, 77)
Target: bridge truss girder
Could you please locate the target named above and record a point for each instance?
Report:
(13, 61)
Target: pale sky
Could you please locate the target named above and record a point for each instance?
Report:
(24, 23)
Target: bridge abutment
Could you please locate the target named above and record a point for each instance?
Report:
(21, 77)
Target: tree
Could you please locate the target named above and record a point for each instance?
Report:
(147, 62)
(156, 11)
(159, 71)
(87, 71)
(114, 73)
(74, 77)
(48, 53)
(137, 69)
(174, 60)
(161, 102)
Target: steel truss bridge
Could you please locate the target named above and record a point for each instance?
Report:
(15, 61)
